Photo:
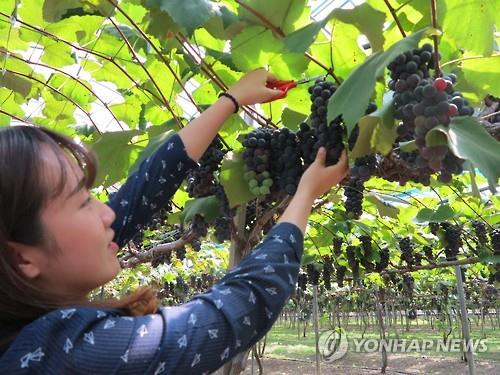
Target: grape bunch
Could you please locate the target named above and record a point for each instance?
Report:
(366, 245)
(302, 281)
(428, 253)
(337, 245)
(257, 157)
(452, 235)
(313, 274)
(327, 272)
(480, 230)
(330, 135)
(353, 261)
(307, 142)
(201, 181)
(434, 228)
(341, 270)
(353, 192)
(161, 259)
(364, 167)
(286, 164)
(223, 223)
(180, 253)
(495, 241)
(406, 248)
(408, 68)
(408, 286)
(384, 260)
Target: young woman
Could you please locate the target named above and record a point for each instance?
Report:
(57, 243)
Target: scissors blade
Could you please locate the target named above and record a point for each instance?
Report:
(305, 80)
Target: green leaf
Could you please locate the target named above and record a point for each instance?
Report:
(352, 97)
(443, 213)
(384, 209)
(493, 259)
(477, 35)
(376, 132)
(17, 83)
(292, 119)
(189, 14)
(208, 207)
(231, 178)
(481, 75)
(115, 155)
(358, 17)
(285, 15)
(300, 40)
(468, 139)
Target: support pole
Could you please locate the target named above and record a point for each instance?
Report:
(465, 322)
(316, 330)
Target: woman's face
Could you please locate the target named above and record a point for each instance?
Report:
(78, 232)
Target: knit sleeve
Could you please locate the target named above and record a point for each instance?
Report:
(149, 189)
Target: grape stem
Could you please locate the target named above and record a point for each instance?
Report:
(437, 68)
(395, 16)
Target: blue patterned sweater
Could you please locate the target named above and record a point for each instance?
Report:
(197, 337)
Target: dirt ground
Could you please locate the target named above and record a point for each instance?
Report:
(360, 364)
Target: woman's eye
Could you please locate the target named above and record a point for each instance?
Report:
(87, 202)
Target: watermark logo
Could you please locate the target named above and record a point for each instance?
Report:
(333, 345)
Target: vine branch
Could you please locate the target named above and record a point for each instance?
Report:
(396, 19)
(435, 38)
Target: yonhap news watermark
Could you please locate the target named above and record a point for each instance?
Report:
(334, 344)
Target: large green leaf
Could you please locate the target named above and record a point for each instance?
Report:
(285, 15)
(208, 207)
(352, 97)
(300, 40)
(477, 35)
(231, 178)
(115, 154)
(55, 10)
(189, 14)
(257, 47)
(482, 75)
(469, 140)
(443, 213)
(16, 83)
(376, 132)
(367, 20)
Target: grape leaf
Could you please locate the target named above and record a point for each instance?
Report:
(114, 153)
(481, 75)
(189, 14)
(231, 178)
(376, 132)
(352, 97)
(443, 213)
(477, 36)
(208, 207)
(384, 208)
(469, 140)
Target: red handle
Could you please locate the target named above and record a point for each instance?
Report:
(282, 86)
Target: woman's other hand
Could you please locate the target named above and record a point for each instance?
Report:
(318, 179)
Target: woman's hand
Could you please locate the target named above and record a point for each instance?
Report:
(315, 181)
(251, 88)
(318, 179)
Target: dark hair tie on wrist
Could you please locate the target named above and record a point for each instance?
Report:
(233, 99)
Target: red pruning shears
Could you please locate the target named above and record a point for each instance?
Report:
(288, 85)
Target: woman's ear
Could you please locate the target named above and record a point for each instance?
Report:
(27, 259)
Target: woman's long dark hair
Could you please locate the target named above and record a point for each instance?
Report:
(23, 194)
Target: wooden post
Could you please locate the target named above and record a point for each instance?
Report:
(316, 330)
(382, 334)
(465, 323)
